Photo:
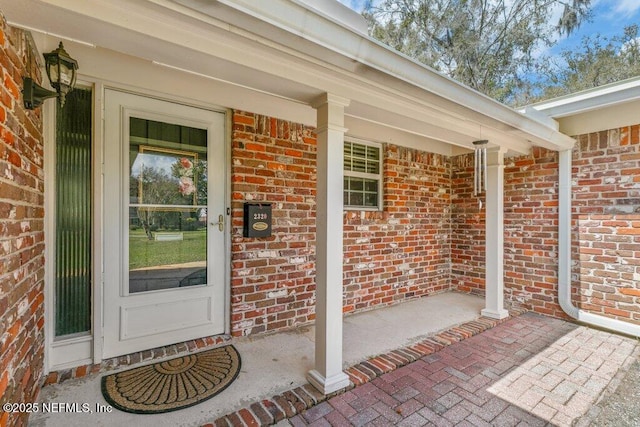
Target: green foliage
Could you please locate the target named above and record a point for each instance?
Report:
(190, 224)
(160, 187)
(145, 253)
(597, 61)
(487, 45)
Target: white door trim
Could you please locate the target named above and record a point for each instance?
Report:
(76, 351)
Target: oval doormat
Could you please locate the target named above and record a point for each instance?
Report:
(173, 384)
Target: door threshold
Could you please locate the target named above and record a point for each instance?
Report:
(137, 358)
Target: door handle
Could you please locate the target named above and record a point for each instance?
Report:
(220, 222)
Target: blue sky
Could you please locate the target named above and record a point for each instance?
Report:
(609, 18)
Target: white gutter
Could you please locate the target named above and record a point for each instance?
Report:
(591, 99)
(564, 257)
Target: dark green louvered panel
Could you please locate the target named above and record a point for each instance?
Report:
(73, 214)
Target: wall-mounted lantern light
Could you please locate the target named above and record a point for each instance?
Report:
(61, 70)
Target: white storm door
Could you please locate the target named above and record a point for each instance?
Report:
(164, 223)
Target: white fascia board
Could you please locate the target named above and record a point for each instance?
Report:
(591, 99)
(540, 116)
(465, 103)
(336, 11)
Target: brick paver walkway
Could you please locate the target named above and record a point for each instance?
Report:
(530, 370)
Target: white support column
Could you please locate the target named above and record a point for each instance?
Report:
(494, 236)
(328, 375)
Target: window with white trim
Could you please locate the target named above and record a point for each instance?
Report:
(362, 175)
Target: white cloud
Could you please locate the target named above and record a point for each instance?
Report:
(356, 5)
(627, 7)
(613, 10)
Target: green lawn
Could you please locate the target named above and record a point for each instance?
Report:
(148, 253)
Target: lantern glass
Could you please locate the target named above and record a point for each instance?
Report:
(66, 75)
(52, 72)
(61, 70)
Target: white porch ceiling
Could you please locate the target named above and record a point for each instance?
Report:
(279, 56)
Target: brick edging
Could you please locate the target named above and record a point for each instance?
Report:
(57, 377)
(295, 401)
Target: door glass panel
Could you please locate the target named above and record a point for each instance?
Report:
(73, 214)
(167, 206)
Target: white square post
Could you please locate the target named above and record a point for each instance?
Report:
(494, 236)
(328, 376)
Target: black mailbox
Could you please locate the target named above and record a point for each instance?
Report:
(257, 220)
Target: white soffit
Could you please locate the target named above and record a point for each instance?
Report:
(284, 48)
(613, 116)
(606, 107)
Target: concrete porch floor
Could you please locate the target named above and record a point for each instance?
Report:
(276, 363)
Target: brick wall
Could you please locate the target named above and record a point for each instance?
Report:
(608, 267)
(467, 229)
(402, 252)
(531, 231)
(605, 243)
(272, 279)
(430, 235)
(606, 199)
(21, 232)
(606, 227)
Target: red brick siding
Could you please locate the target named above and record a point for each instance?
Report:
(606, 198)
(21, 233)
(606, 201)
(606, 229)
(608, 268)
(467, 229)
(531, 231)
(400, 253)
(272, 279)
